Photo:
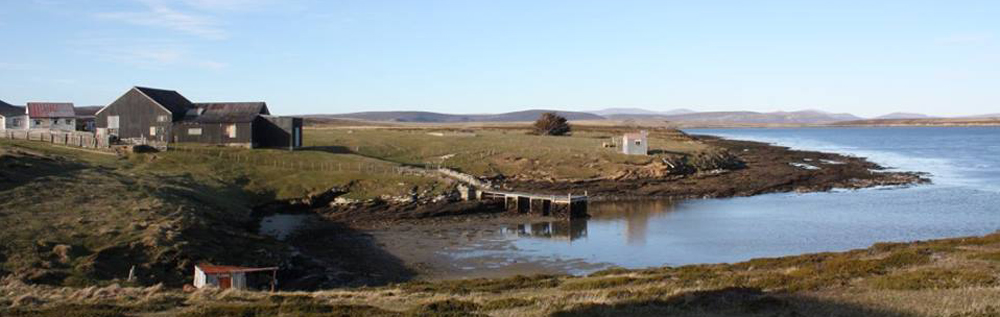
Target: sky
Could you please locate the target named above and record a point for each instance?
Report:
(476, 56)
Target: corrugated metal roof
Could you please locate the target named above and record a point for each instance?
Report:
(222, 269)
(223, 112)
(51, 110)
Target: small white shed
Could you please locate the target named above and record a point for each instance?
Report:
(635, 143)
(226, 277)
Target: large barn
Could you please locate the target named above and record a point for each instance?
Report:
(165, 116)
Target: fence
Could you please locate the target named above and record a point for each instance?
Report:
(68, 138)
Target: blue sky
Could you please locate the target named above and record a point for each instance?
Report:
(468, 56)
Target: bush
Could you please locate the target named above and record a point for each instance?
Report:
(550, 123)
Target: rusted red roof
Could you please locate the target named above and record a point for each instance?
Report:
(223, 269)
(51, 110)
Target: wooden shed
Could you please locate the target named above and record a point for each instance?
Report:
(225, 277)
(227, 123)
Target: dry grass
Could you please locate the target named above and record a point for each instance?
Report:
(507, 151)
(934, 278)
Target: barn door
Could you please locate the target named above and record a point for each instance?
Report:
(225, 282)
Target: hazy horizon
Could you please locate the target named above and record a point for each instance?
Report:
(312, 56)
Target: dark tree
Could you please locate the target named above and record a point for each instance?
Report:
(550, 123)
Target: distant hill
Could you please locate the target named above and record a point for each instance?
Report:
(990, 115)
(639, 111)
(749, 117)
(903, 115)
(968, 121)
(9, 109)
(434, 117)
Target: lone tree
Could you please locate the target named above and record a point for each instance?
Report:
(550, 123)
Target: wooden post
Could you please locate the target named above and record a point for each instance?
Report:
(274, 280)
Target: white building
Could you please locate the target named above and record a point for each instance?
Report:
(635, 143)
(51, 116)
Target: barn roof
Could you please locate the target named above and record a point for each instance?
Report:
(51, 110)
(223, 112)
(88, 111)
(222, 269)
(169, 99)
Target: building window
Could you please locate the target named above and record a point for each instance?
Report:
(112, 122)
(231, 131)
(69, 121)
(638, 142)
(38, 122)
(16, 122)
(152, 131)
(194, 131)
(162, 118)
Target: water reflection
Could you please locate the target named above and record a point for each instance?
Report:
(636, 215)
(568, 230)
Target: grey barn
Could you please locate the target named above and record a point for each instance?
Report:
(165, 116)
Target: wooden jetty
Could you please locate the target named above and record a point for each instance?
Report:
(569, 206)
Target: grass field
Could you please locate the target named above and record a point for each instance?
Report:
(953, 277)
(509, 152)
(81, 218)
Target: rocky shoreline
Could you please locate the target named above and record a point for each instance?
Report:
(761, 168)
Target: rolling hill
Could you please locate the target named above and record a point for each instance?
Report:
(903, 115)
(640, 111)
(434, 117)
(749, 117)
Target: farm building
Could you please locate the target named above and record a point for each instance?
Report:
(165, 116)
(85, 118)
(225, 277)
(635, 143)
(12, 117)
(51, 116)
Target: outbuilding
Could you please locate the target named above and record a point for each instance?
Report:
(635, 143)
(226, 277)
(51, 116)
(12, 117)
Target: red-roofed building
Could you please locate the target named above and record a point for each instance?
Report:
(51, 116)
(225, 276)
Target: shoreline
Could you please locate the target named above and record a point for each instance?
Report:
(414, 234)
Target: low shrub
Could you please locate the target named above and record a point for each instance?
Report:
(484, 285)
(583, 284)
(450, 307)
(508, 303)
(934, 279)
